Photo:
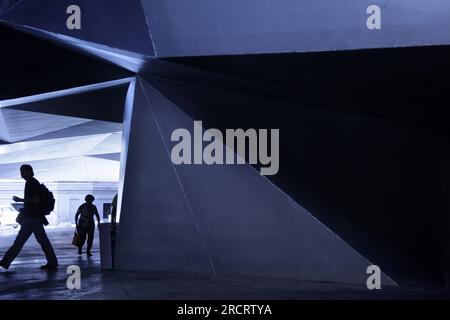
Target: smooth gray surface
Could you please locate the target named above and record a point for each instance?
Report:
(205, 27)
(230, 214)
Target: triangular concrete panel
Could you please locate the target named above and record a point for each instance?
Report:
(33, 144)
(110, 145)
(23, 125)
(105, 104)
(53, 149)
(248, 225)
(157, 230)
(107, 156)
(88, 128)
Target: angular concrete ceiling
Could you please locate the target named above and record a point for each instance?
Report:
(100, 101)
(173, 28)
(60, 111)
(30, 66)
(115, 24)
(77, 168)
(82, 152)
(21, 125)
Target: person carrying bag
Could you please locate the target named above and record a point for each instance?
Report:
(76, 241)
(84, 219)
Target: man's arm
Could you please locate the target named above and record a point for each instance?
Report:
(33, 200)
(78, 214)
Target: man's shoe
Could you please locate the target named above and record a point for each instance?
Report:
(89, 254)
(3, 265)
(49, 267)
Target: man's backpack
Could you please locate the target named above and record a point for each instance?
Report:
(47, 200)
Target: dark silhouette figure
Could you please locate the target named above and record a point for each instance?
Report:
(114, 209)
(32, 220)
(85, 223)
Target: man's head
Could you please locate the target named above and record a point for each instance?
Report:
(89, 198)
(26, 172)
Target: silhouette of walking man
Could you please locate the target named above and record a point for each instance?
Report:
(31, 219)
(84, 219)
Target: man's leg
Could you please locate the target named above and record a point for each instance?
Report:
(22, 237)
(82, 231)
(90, 238)
(42, 239)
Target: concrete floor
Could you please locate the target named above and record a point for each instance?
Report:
(24, 280)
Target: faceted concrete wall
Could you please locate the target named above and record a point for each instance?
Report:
(225, 219)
